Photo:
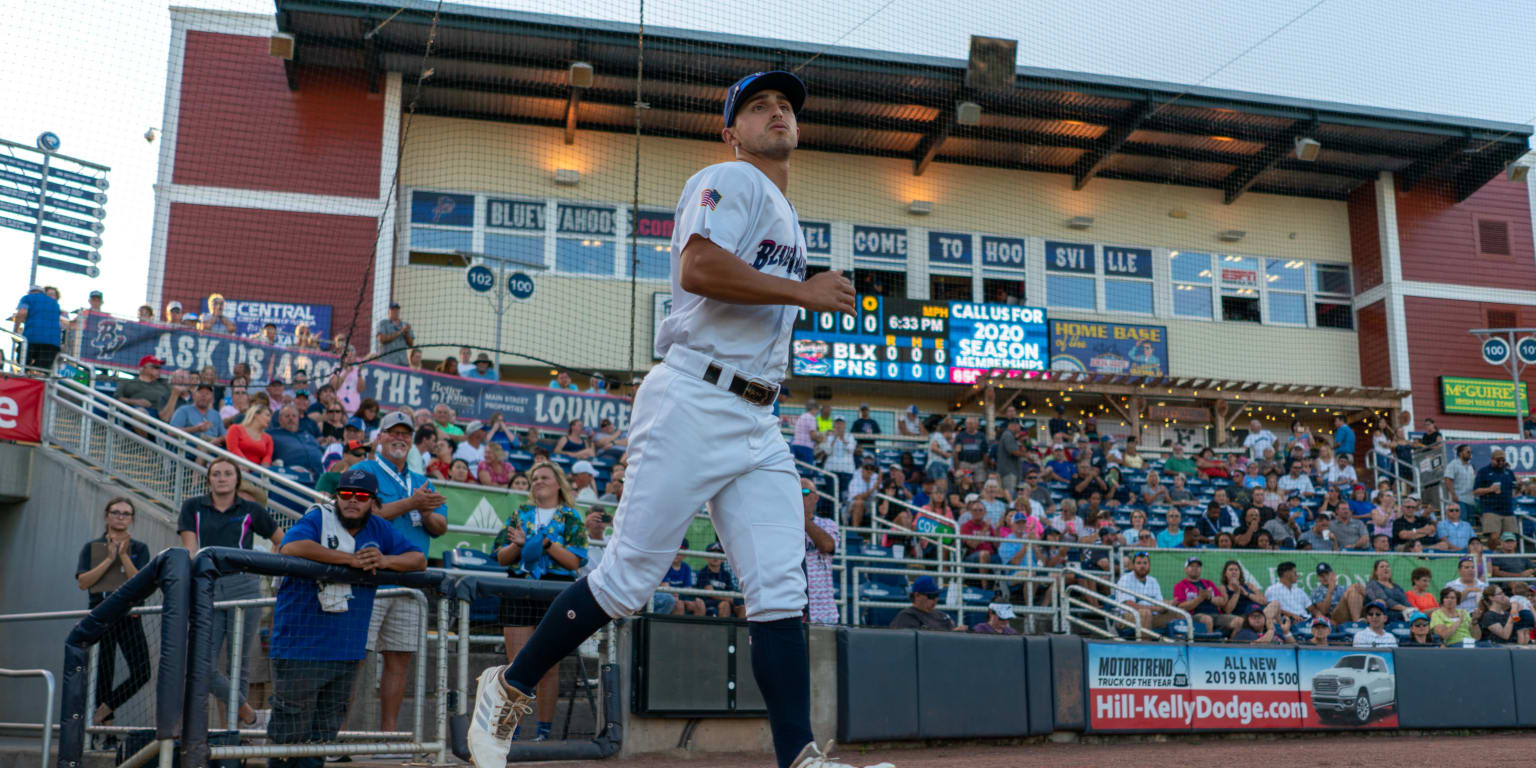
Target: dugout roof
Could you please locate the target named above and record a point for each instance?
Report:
(511, 66)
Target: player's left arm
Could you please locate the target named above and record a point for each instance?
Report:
(715, 273)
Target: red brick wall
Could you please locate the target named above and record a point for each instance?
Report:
(1439, 345)
(1439, 242)
(1364, 238)
(254, 255)
(240, 126)
(1375, 355)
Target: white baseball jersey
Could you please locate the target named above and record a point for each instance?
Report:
(739, 209)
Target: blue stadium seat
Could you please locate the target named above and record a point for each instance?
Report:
(1177, 628)
(975, 596)
(1399, 629)
(878, 617)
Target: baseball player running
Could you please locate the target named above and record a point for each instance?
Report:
(703, 431)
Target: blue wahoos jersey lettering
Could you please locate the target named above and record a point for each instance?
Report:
(771, 254)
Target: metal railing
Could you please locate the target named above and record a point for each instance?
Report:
(13, 353)
(1133, 620)
(47, 725)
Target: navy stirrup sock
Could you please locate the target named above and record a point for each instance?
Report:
(572, 618)
(781, 663)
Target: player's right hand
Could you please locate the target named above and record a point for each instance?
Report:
(828, 292)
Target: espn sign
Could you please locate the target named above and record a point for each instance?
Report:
(21, 409)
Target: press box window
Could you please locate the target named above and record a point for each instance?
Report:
(949, 288)
(1002, 291)
(584, 256)
(1286, 284)
(440, 224)
(1333, 294)
(653, 260)
(878, 282)
(1240, 286)
(1191, 284)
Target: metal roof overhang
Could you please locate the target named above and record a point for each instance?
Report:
(512, 66)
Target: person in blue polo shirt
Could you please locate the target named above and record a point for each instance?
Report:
(482, 370)
(38, 316)
(1494, 488)
(319, 634)
(409, 502)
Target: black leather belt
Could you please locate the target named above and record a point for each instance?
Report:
(754, 391)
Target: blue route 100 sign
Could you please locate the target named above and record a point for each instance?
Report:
(520, 285)
(480, 278)
(1495, 351)
(48, 141)
(1525, 349)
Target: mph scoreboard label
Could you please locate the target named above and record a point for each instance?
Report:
(892, 339)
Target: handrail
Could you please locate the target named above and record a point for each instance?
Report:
(947, 603)
(837, 490)
(1130, 619)
(1189, 621)
(47, 677)
(13, 359)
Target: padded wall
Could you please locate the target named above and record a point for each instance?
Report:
(1067, 687)
(877, 684)
(971, 686)
(1455, 688)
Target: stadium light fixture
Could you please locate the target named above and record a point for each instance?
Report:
(567, 176)
(1307, 149)
(1080, 222)
(920, 207)
(281, 45)
(1231, 235)
(968, 113)
(1520, 167)
(581, 74)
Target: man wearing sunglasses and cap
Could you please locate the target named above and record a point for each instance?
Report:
(704, 430)
(319, 633)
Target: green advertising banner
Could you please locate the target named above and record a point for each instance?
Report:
(1260, 565)
(477, 506)
(1488, 397)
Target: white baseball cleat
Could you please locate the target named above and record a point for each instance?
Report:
(813, 757)
(498, 708)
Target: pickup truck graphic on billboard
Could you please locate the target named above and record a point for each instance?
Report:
(1350, 689)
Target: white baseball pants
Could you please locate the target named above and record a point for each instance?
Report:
(692, 443)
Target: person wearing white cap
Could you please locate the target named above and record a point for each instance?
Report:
(173, 313)
(998, 616)
(472, 449)
(909, 424)
(582, 476)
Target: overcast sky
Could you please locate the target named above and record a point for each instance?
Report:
(93, 71)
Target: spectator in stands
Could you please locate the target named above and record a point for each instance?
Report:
(1282, 527)
(1382, 589)
(472, 449)
(1319, 537)
(425, 445)
(394, 336)
(1285, 596)
(146, 313)
(1209, 465)
(1138, 524)
(459, 472)
(1179, 463)
(1172, 536)
(971, 446)
(1509, 563)
(277, 392)
(147, 392)
(1258, 439)
(861, 490)
(1153, 491)
(1419, 635)
(1296, 482)
(574, 442)
(715, 576)
(1179, 494)
(304, 339)
(1012, 448)
(820, 546)
(864, 426)
(1467, 584)
(315, 647)
(106, 563)
(583, 475)
(249, 439)
(449, 367)
(413, 359)
(1381, 543)
(482, 369)
(839, 448)
(1086, 481)
(824, 418)
(1375, 634)
(1238, 595)
(1333, 600)
(922, 613)
(495, 470)
(442, 460)
(1343, 436)
(353, 452)
(442, 421)
(679, 576)
(1351, 533)
(37, 319)
(607, 437)
(908, 424)
(412, 506)
(220, 518)
(562, 380)
(1494, 488)
(941, 450)
(173, 313)
(1460, 480)
(1410, 528)
(1247, 533)
(234, 411)
(976, 524)
(1342, 473)
(293, 447)
(1067, 520)
(1520, 603)
(544, 539)
(998, 616)
(214, 320)
(1059, 468)
(1450, 622)
(1264, 465)
(1257, 628)
(1198, 596)
(1139, 591)
(198, 417)
(1320, 629)
(1453, 531)
(1418, 593)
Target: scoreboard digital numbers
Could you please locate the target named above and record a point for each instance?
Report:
(894, 339)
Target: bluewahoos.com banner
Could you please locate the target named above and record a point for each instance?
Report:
(1114, 348)
(250, 316)
(120, 343)
(1162, 687)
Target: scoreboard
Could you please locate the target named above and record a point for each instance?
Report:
(897, 339)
